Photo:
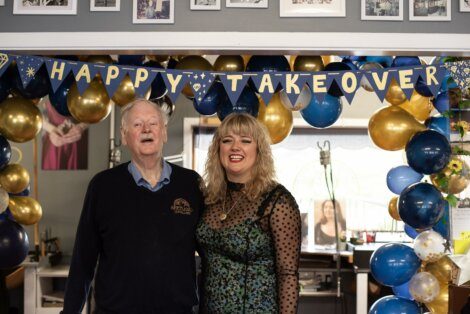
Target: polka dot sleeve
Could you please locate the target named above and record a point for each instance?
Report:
(285, 228)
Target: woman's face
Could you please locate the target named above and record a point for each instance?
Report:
(238, 156)
(328, 210)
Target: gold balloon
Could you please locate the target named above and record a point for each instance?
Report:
(100, 59)
(20, 119)
(455, 183)
(14, 178)
(393, 208)
(229, 64)
(419, 106)
(125, 93)
(441, 269)
(4, 198)
(193, 63)
(278, 119)
(308, 64)
(158, 58)
(440, 305)
(26, 210)
(395, 95)
(92, 106)
(327, 59)
(246, 59)
(391, 128)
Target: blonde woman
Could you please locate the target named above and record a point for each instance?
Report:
(249, 235)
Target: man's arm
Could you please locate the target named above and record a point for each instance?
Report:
(85, 254)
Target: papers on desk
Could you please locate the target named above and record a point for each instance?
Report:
(461, 226)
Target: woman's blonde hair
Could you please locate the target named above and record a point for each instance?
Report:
(262, 176)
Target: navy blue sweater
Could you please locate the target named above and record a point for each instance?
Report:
(144, 243)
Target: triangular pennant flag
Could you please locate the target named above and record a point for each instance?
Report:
(438, 72)
(174, 80)
(264, 81)
(380, 81)
(112, 76)
(5, 61)
(299, 80)
(408, 77)
(318, 93)
(27, 67)
(200, 82)
(349, 82)
(84, 73)
(58, 71)
(237, 78)
(142, 78)
(331, 83)
(460, 72)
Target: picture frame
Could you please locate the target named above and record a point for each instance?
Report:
(205, 5)
(153, 11)
(252, 4)
(301, 8)
(105, 5)
(430, 10)
(391, 10)
(40, 7)
(464, 5)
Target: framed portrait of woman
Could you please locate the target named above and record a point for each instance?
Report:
(324, 221)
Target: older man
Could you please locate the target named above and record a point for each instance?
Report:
(138, 222)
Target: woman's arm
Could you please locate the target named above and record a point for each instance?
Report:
(286, 230)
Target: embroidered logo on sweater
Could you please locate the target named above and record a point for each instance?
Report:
(181, 206)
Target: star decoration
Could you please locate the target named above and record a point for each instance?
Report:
(203, 75)
(463, 263)
(30, 72)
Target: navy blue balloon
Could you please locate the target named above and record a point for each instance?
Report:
(322, 114)
(14, 245)
(158, 85)
(421, 205)
(401, 177)
(5, 86)
(394, 305)
(210, 102)
(385, 61)
(410, 231)
(248, 102)
(422, 89)
(428, 152)
(136, 60)
(337, 66)
(59, 98)
(267, 64)
(354, 58)
(5, 152)
(351, 63)
(442, 226)
(400, 61)
(393, 264)
(441, 102)
(403, 291)
(67, 57)
(439, 124)
(38, 87)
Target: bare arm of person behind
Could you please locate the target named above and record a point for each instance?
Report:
(285, 228)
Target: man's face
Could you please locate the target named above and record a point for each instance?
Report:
(144, 131)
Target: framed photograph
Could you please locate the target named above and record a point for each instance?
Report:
(464, 5)
(318, 8)
(246, 4)
(430, 10)
(324, 221)
(153, 12)
(390, 10)
(206, 5)
(105, 5)
(45, 7)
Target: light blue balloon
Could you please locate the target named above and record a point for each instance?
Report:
(410, 231)
(441, 102)
(439, 124)
(401, 177)
(322, 114)
(394, 305)
(403, 291)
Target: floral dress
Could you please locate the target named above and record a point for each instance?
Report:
(250, 259)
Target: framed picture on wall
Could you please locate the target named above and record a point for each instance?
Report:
(464, 5)
(390, 10)
(246, 3)
(153, 11)
(105, 5)
(42, 7)
(430, 10)
(205, 4)
(306, 8)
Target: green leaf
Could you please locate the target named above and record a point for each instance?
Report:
(448, 114)
(452, 199)
(464, 104)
